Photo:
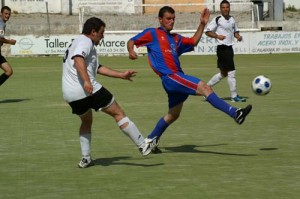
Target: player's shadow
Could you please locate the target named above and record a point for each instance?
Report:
(12, 100)
(192, 149)
(229, 98)
(120, 161)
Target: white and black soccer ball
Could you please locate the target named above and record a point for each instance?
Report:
(261, 85)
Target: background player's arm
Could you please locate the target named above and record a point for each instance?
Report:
(215, 35)
(238, 36)
(7, 41)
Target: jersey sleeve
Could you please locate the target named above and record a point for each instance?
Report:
(142, 39)
(212, 26)
(235, 28)
(83, 49)
(185, 44)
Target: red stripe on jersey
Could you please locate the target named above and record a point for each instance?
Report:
(186, 41)
(147, 38)
(166, 49)
(184, 82)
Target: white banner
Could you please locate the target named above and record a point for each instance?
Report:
(275, 42)
(253, 43)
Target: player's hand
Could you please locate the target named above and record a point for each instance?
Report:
(129, 74)
(132, 55)
(13, 42)
(221, 37)
(240, 38)
(88, 87)
(205, 16)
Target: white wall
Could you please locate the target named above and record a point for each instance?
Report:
(34, 6)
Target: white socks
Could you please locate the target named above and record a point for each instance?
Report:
(132, 131)
(232, 83)
(230, 80)
(85, 143)
(215, 79)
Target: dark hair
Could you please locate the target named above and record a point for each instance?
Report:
(92, 23)
(5, 8)
(165, 9)
(224, 1)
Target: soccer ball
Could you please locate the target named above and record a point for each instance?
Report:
(261, 85)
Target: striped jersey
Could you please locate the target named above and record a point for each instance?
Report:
(163, 49)
(222, 26)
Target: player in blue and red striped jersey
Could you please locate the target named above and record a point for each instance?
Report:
(164, 49)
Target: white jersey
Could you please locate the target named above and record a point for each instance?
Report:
(222, 26)
(72, 84)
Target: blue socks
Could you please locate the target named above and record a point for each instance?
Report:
(220, 104)
(159, 129)
(213, 99)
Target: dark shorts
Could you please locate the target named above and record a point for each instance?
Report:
(225, 58)
(101, 99)
(2, 59)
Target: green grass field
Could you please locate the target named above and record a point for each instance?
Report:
(205, 153)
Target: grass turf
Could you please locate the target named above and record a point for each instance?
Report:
(205, 153)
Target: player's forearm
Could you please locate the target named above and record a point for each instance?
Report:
(130, 46)
(198, 34)
(212, 34)
(6, 41)
(106, 71)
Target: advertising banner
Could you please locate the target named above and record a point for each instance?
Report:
(275, 42)
(114, 44)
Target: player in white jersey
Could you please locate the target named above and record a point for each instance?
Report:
(224, 29)
(83, 93)
(4, 65)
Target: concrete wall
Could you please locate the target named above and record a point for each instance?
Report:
(71, 6)
(197, 7)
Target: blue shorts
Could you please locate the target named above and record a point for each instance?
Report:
(179, 86)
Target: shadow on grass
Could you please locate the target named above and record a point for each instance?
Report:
(192, 149)
(12, 100)
(118, 161)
